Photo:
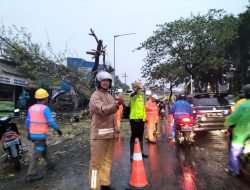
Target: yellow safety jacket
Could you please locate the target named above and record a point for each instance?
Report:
(137, 107)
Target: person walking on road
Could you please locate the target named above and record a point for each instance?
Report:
(137, 117)
(179, 109)
(151, 118)
(38, 119)
(238, 120)
(103, 133)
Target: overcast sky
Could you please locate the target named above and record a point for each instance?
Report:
(68, 22)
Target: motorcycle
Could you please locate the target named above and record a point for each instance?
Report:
(11, 140)
(162, 114)
(184, 130)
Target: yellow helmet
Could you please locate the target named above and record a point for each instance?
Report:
(41, 93)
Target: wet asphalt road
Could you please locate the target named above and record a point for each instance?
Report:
(198, 167)
(169, 167)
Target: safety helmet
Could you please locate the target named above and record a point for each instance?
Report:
(155, 96)
(102, 76)
(136, 83)
(246, 90)
(41, 93)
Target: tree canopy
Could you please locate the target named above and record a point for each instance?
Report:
(45, 67)
(197, 46)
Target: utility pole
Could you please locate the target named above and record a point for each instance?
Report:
(125, 76)
(116, 36)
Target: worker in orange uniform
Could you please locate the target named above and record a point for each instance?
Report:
(151, 109)
(119, 116)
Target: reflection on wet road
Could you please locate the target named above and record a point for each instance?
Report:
(199, 166)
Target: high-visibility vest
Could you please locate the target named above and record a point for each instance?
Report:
(38, 122)
(137, 107)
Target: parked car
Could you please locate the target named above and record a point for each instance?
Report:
(210, 110)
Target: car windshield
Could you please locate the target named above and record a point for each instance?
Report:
(212, 101)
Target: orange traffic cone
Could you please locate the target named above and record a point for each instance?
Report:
(137, 178)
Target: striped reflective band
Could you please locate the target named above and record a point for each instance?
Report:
(106, 131)
(93, 179)
(137, 156)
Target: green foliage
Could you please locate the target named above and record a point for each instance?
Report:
(43, 66)
(243, 66)
(196, 46)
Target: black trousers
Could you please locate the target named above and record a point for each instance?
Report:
(137, 129)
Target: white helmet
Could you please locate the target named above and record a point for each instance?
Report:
(155, 96)
(103, 75)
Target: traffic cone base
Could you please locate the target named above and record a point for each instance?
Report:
(142, 188)
(137, 178)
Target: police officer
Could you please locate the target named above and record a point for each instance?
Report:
(137, 117)
(38, 119)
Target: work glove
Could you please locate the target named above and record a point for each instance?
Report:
(59, 132)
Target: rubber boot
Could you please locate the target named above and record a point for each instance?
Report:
(131, 150)
(108, 187)
(143, 154)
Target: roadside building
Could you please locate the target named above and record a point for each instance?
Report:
(12, 84)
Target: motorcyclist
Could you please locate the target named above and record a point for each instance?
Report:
(239, 122)
(179, 109)
(38, 119)
(162, 109)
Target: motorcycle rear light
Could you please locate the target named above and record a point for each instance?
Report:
(185, 120)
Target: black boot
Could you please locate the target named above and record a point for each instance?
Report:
(131, 150)
(107, 187)
(142, 153)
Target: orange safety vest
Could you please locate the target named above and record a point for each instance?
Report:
(119, 111)
(38, 122)
(151, 111)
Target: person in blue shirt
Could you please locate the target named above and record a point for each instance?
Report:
(179, 109)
